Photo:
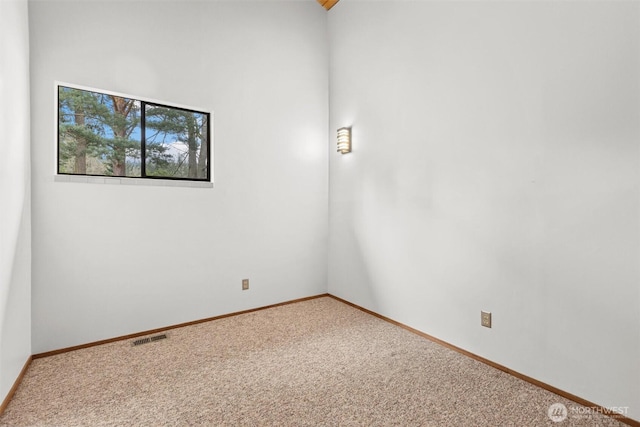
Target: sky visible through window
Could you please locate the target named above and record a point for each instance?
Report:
(110, 135)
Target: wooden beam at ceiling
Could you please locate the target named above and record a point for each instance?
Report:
(327, 4)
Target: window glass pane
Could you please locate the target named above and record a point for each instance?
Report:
(98, 134)
(102, 134)
(176, 142)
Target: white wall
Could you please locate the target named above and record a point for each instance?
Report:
(15, 217)
(110, 260)
(495, 167)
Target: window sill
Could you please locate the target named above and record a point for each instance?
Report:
(131, 181)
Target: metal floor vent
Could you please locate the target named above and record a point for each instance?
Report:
(149, 339)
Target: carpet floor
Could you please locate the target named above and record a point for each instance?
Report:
(318, 362)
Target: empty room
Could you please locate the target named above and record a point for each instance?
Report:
(301, 212)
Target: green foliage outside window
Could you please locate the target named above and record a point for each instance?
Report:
(109, 135)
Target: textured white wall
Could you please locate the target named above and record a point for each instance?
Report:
(495, 167)
(15, 232)
(111, 260)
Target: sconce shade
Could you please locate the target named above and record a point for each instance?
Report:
(344, 140)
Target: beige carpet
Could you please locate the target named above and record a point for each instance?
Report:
(312, 363)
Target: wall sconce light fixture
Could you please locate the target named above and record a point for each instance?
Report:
(344, 140)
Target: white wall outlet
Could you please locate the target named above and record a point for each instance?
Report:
(245, 284)
(485, 319)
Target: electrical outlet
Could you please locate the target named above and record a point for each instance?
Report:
(485, 319)
(245, 284)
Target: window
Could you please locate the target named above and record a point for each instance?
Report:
(103, 134)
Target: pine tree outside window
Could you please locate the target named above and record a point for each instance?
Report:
(104, 134)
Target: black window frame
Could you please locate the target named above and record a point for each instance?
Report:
(143, 103)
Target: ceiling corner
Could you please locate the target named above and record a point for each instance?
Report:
(327, 4)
